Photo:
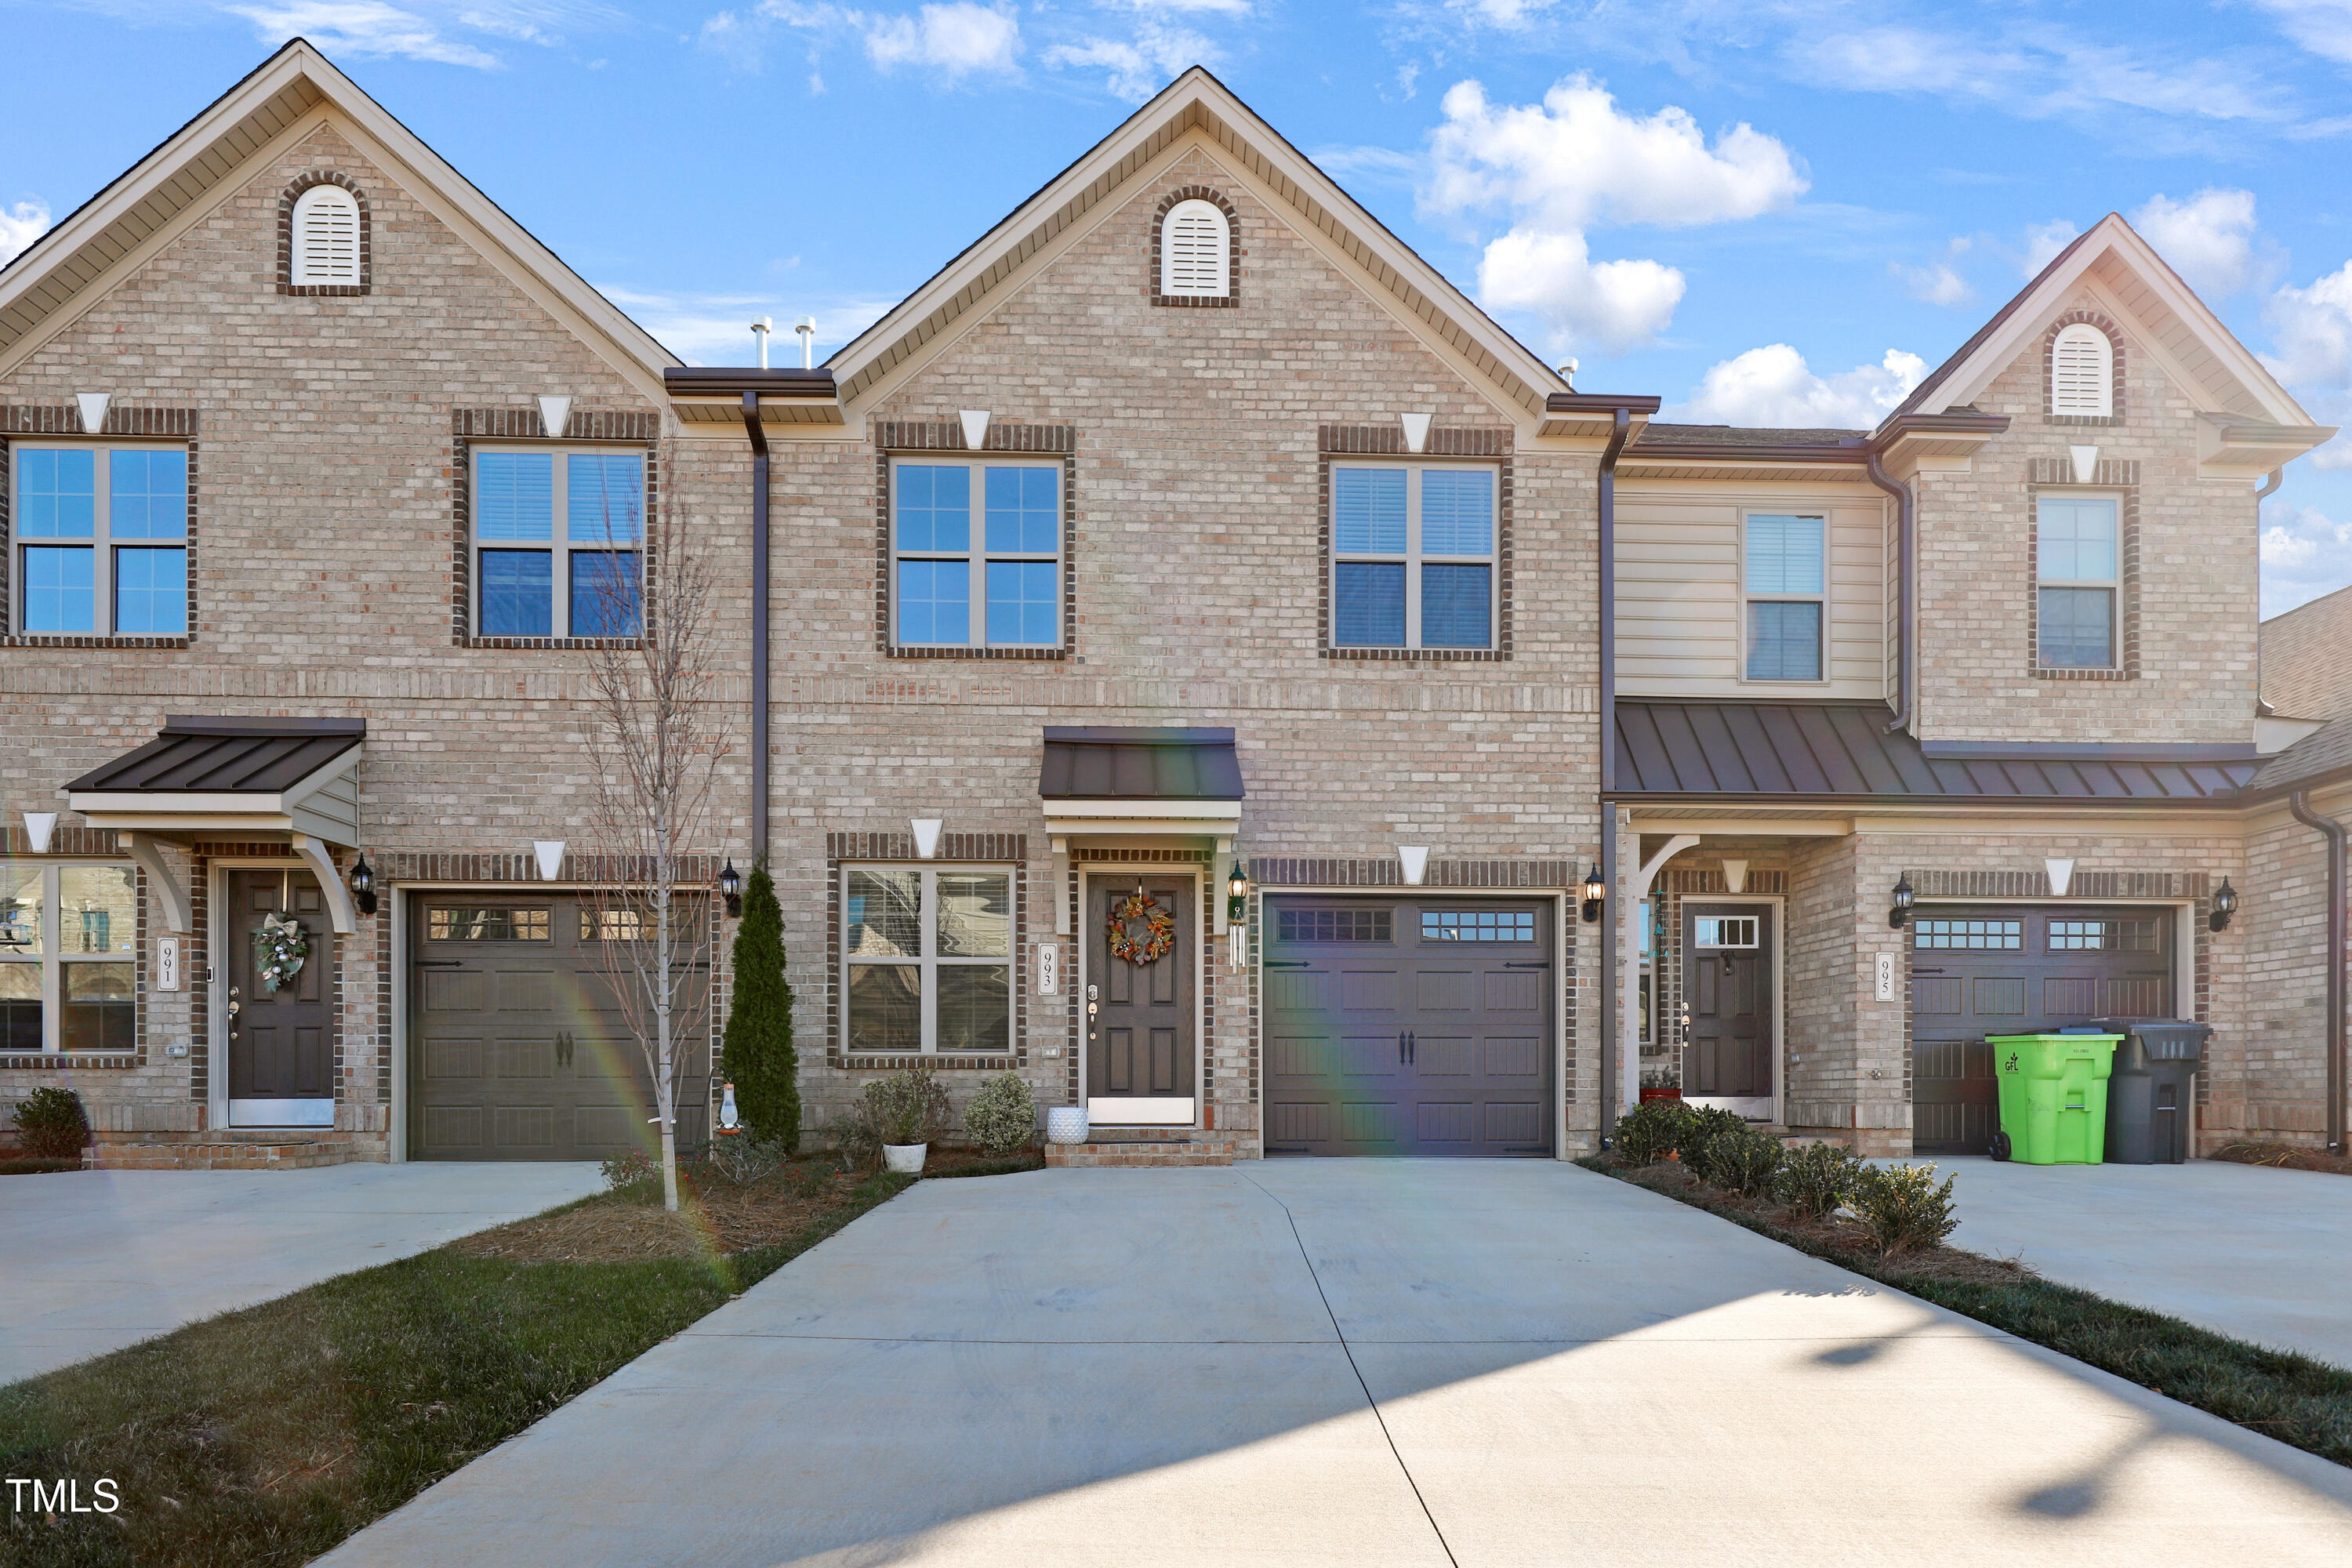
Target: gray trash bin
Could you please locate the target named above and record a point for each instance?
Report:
(2151, 1106)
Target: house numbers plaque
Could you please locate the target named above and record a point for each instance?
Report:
(1049, 969)
(167, 963)
(1886, 977)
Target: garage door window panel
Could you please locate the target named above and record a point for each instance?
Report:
(927, 962)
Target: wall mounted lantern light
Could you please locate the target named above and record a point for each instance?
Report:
(1237, 915)
(730, 888)
(1900, 915)
(2225, 904)
(362, 885)
(1595, 891)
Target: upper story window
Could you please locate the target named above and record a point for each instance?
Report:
(2077, 580)
(1195, 251)
(1785, 573)
(927, 958)
(69, 957)
(556, 539)
(976, 553)
(1413, 555)
(2083, 373)
(326, 249)
(101, 540)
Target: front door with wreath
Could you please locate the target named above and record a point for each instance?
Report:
(280, 1008)
(1145, 946)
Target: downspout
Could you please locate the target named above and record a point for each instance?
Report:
(1621, 427)
(2299, 803)
(752, 427)
(1906, 567)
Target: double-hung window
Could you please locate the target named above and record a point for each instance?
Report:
(927, 960)
(1413, 555)
(2078, 579)
(976, 553)
(556, 541)
(69, 957)
(1785, 576)
(101, 540)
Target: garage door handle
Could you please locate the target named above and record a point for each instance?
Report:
(1285, 963)
(1411, 1046)
(1545, 964)
(1400, 1047)
(440, 962)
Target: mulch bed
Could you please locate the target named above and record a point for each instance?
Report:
(2285, 1157)
(26, 1165)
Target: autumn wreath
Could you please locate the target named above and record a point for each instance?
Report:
(1160, 930)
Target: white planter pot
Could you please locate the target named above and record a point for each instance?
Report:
(906, 1159)
(1066, 1124)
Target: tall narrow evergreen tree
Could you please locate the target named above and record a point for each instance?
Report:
(761, 1061)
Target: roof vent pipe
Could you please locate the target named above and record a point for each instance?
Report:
(760, 331)
(1906, 551)
(1567, 372)
(807, 328)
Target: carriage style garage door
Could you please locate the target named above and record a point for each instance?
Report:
(517, 1048)
(1407, 1026)
(2017, 970)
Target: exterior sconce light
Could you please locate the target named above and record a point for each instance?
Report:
(730, 888)
(1900, 915)
(362, 885)
(1237, 916)
(2225, 904)
(1595, 891)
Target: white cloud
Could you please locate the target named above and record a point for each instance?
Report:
(2311, 331)
(1507, 14)
(1226, 7)
(958, 38)
(1575, 162)
(2033, 71)
(1773, 388)
(20, 225)
(2323, 27)
(2043, 241)
(1938, 282)
(2209, 239)
(361, 28)
(1141, 66)
(2306, 553)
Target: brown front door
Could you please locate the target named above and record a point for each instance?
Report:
(1140, 1039)
(282, 1042)
(1728, 986)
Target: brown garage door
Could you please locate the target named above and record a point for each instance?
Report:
(517, 1047)
(2017, 970)
(1407, 1026)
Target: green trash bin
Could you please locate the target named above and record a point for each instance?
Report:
(2053, 1097)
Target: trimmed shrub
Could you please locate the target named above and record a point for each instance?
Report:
(759, 1055)
(1003, 1116)
(1744, 1161)
(1652, 1130)
(1815, 1178)
(1703, 1126)
(906, 1107)
(628, 1170)
(1902, 1206)
(52, 1125)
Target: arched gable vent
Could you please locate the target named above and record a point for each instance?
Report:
(326, 249)
(2082, 372)
(1195, 251)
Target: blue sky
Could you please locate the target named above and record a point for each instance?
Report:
(1769, 212)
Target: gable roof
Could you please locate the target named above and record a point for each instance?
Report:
(1196, 102)
(2218, 372)
(2306, 674)
(61, 273)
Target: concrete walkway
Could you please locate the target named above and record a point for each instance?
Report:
(1358, 1363)
(91, 1261)
(2260, 1254)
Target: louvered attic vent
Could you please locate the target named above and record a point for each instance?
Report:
(326, 237)
(2082, 372)
(1195, 251)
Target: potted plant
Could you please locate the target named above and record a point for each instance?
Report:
(1661, 1083)
(906, 1111)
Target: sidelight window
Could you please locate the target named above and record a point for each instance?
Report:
(976, 554)
(69, 957)
(557, 537)
(101, 540)
(927, 961)
(1413, 555)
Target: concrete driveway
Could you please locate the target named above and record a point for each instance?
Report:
(1353, 1364)
(91, 1261)
(2260, 1254)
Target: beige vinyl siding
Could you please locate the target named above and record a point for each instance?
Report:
(1679, 589)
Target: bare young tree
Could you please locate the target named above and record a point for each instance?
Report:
(659, 738)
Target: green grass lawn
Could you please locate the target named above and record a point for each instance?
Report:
(265, 1436)
(2280, 1394)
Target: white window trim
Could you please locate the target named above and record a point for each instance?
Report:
(976, 556)
(559, 544)
(101, 540)
(1746, 636)
(297, 262)
(1413, 557)
(2113, 585)
(929, 960)
(54, 958)
(1222, 283)
(2082, 331)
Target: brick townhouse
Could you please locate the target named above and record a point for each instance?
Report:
(1168, 656)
